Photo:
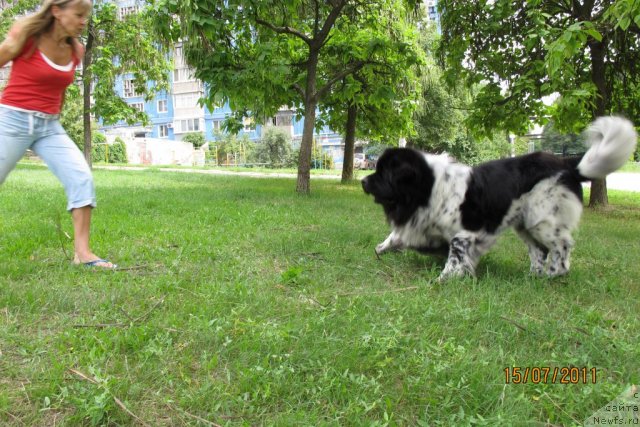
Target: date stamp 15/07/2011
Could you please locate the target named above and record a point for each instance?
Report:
(550, 375)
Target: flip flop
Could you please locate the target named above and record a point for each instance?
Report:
(95, 262)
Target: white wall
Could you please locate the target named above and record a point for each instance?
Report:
(154, 151)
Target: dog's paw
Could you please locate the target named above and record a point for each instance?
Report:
(383, 248)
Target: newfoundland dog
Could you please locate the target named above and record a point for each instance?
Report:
(433, 203)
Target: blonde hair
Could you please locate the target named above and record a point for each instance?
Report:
(41, 21)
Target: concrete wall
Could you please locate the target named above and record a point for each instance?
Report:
(153, 151)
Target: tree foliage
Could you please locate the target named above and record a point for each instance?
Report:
(377, 101)
(120, 47)
(565, 144)
(520, 52)
(261, 55)
(114, 47)
(195, 138)
(274, 148)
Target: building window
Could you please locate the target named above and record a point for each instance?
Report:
(162, 106)
(129, 89)
(126, 11)
(183, 75)
(283, 119)
(188, 125)
(187, 100)
(163, 131)
(138, 106)
(217, 124)
(249, 126)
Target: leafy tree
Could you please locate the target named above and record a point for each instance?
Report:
(561, 143)
(377, 101)
(584, 50)
(71, 115)
(120, 47)
(195, 138)
(439, 120)
(261, 55)
(114, 47)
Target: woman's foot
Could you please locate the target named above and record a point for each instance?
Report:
(92, 260)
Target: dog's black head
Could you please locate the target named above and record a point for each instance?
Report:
(401, 183)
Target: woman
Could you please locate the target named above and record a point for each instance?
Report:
(45, 52)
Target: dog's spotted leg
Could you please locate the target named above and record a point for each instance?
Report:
(556, 237)
(537, 252)
(459, 262)
(559, 258)
(465, 251)
(391, 243)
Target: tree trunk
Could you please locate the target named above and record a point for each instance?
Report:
(303, 185)
(349, 144)
(597, 50)
(86, 95)
(598, 195)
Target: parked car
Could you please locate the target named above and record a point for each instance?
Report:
(359, 161)
(370, 161)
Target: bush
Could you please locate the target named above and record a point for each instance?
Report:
(230, 150)
(118, 152)
(320, 159)
(274, 148)
(101, 152)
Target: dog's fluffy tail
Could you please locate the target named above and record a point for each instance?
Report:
(611, 140)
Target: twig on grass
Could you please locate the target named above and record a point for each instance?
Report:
(559, 407)
(117, 401)
(126, 314)
(132, 268)
(126, 410)
(123, 325)
(13, 416)
(346, 294)
(61, 233)
(196, 294)
(102, 325)
(195, 417)
(145, 315)
(522, 328)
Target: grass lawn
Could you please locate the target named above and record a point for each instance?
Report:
(631, 167)
(241, 303)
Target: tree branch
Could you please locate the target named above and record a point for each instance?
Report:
(284, 30)
(318, 39)
(349, 70)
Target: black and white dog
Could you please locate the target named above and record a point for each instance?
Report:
(434, 203)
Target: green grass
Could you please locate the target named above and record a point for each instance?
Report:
(246, 304)
(631, 167)
(337, 173)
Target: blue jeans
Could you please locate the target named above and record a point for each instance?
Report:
(21, 130)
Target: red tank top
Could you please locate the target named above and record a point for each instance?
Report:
(36, 83)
